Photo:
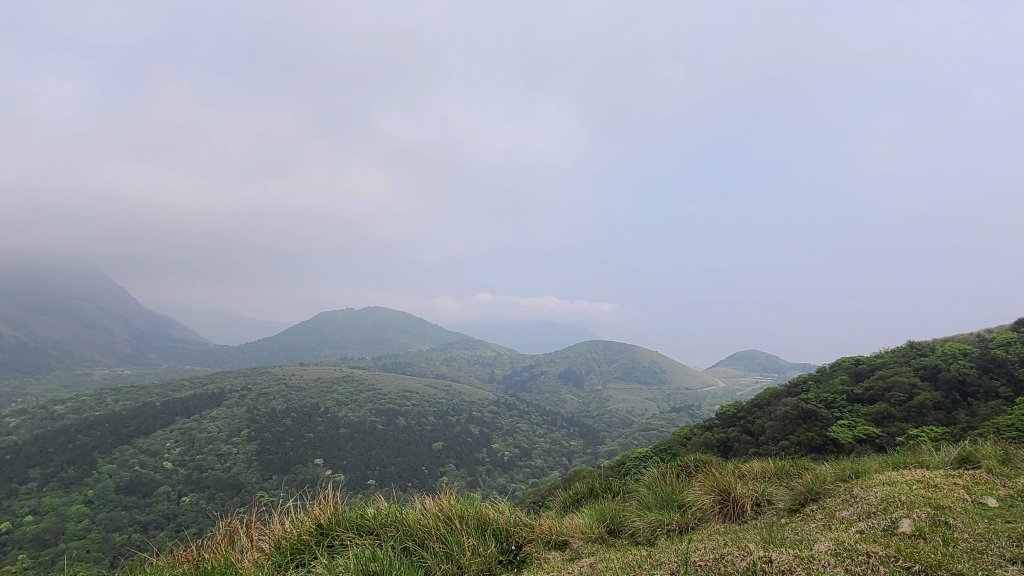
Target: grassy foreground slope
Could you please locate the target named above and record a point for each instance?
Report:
(954, 509)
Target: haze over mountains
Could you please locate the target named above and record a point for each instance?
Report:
(68, 316)
(501, 236)
(65, 325)
(529, 337)
(57, 317)
(596, 379)
(140, 465)
(227, 327)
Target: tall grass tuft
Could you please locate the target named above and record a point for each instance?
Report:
(733, 492)
(558, 532)
(443, 534)
(605, 517)
(453, 535)
(593, 488)
(372, 561)
(449, 534)
(659, 505)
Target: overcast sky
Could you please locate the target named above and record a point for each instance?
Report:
(814, 179)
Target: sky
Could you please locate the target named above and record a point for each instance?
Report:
(813, 179)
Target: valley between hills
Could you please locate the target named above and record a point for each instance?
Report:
(125, 435)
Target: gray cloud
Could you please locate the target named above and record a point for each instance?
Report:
(811, 180)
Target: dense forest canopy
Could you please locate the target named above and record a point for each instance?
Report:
(92, 477)
(943, 389)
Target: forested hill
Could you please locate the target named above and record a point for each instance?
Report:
(633, 395)
(90, 478)
(944, 389)
(758, 363)
(748, 372)
(335, 335)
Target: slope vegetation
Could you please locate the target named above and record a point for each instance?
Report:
(94, 476)
(633, 395)
(927, 510)
(939, 390)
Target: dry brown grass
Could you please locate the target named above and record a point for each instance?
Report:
(247, 537)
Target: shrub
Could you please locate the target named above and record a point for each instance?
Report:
(591, 488)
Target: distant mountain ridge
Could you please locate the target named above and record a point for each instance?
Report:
(758, 362)
(337, 335)
(55, 317)
(529, 337)
(631, 393)
(60, 317)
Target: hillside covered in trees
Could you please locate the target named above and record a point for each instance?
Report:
(94, 476)
(939, 390)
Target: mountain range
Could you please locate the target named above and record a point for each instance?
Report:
(379, 400)
(373, 398)
(529, 337)
(65, 327)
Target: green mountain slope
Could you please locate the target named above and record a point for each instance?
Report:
(632, 395)
(96, 475)
(66, 317)
(945, 389)
(618, 378)
(100, 473)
